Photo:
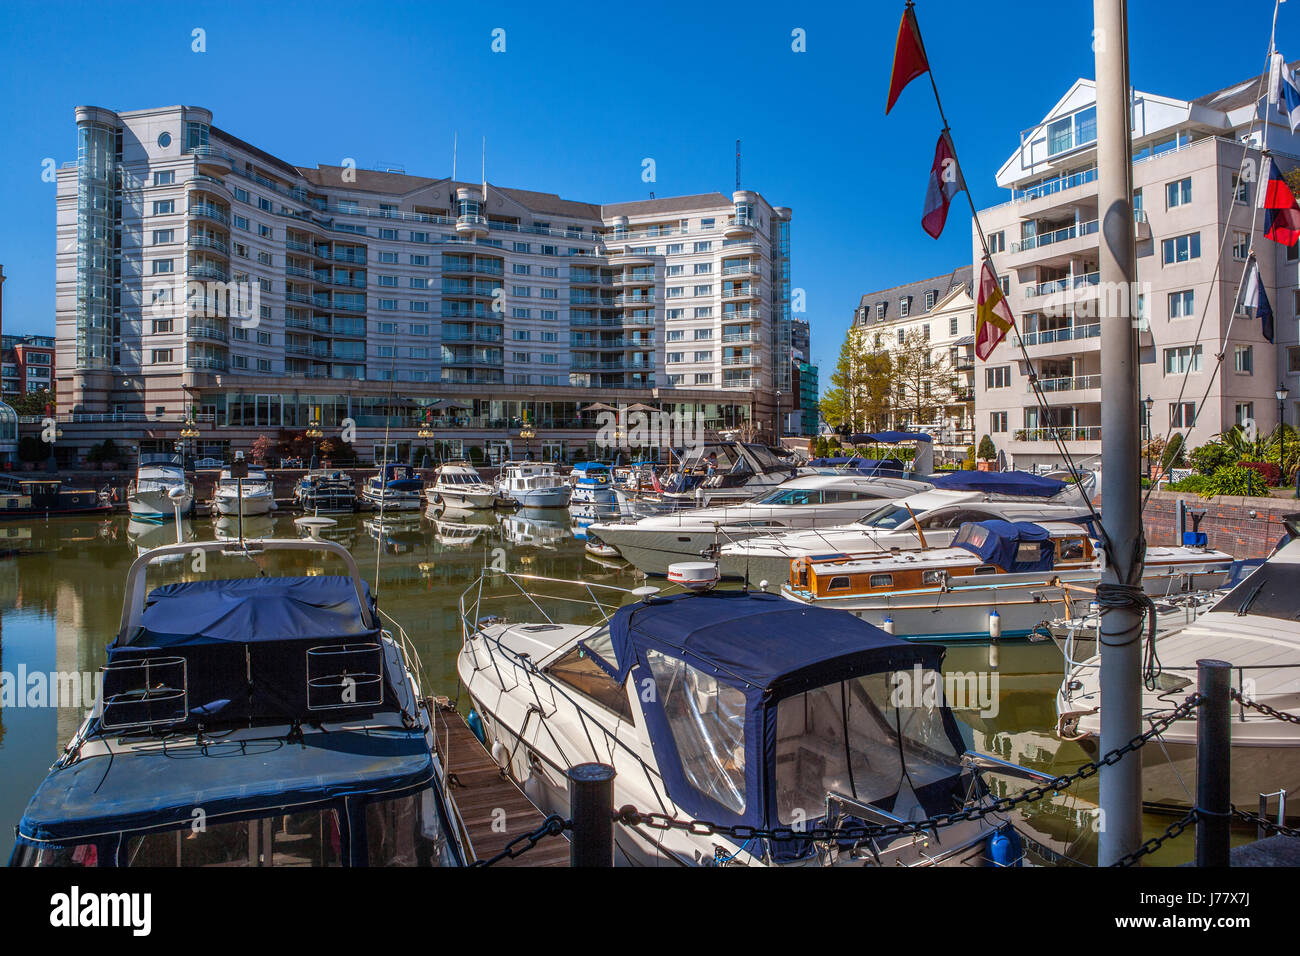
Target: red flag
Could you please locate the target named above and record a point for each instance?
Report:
(993, 318)
(945, 182)
(909, 57)
(1281, 212)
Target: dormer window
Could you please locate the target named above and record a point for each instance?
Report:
(929, 299)
(904, 306)
(880, 310)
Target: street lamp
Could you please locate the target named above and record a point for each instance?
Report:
(527, 434)
(315, 434)
(1281, 393)
(52, 465)
(1146, 417)
(424, 434)
(189, 433)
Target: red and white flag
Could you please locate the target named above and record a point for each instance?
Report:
(909, 57)
(945, 182)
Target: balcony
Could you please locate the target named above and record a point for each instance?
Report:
(1064, 334)
(1067, 384)
(1070, 433)
(734, 337)
(1054, 286)
(737, 315)
(748, 269)
(751, 360)
(747, 292)
(208, 271)
(209, 211)
(739, 228)
(212, 159)
(209, 363)
(1072, 231)
(493, 336)
(211, 333)
(632, 299)
(752, 382)
(471, 226)
(634, 278)
(202, 240)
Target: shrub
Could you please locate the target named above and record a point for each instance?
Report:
(1192, 484)
(1234, 480)
(987, 451)
(1212, 456)
(1175, 453)
(1270, 472)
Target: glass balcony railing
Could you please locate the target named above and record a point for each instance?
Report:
(1063, 334)
(1072, 231)
(1053, 286)
(1061, 432)
(1068, 383)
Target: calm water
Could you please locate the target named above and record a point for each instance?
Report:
(61, 584)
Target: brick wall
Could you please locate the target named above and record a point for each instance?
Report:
(1244, 527)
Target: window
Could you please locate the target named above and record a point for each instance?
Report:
(163, 266)
(1243, 359)
(1182, 305)
(388, 258)
(579, 670)
(1181, 248)
(703, 268)
(164, 178)
(929, 299)
(164, 206)
(703, 378)
(263, 365)
(521, 268)
(387, 305)
(997, 377)
(389, 282)
(1293, 358)
(1178, 193)
(159, 325)
(1184, 358)
(703, 246)
(952, 325)
(1072, 131)
(997, 422)
(161, 355)
(997, 241)
(163, 236)
(904, 306)
(703, 334)
(1240, 246)
(1240, 189)
(1244, 412)
(704, 356)
(1182, 414)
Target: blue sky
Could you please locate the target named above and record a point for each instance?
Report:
(584, 92)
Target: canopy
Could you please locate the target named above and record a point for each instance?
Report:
(747, 652)
(889, 437)
(999, 482)
(1014, 546)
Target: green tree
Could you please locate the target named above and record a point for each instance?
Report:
(859, 394)
(922, 381)
(33, 403)
(987, 451)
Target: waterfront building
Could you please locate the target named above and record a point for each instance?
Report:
(1194, 209)
(198, 275)
(26, 363)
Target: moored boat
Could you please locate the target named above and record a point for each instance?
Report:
(457, 484)
(533, 484)
(326, 491)
(394, 488)
(248, 496)
(159, 489)
(25, 497)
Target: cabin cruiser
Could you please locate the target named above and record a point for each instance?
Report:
(457, 484)
(280, 706)
(30, 497)
(927, 519)
(593, 483)
(394, 488)
(806, 501)
(150, 496)
(247, 496)
(758, 713)
(326, 491)
(999, 579)
(533, 484)
(1254, 628)
(711, 473)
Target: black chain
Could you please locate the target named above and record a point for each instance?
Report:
(1150, 846)
(553, 825)
(630, 816)
(1268, 825)
(1264, 708)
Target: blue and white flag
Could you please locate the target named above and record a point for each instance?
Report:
(1256, 298)
(1283, 90)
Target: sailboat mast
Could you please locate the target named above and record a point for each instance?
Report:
(1121, 616)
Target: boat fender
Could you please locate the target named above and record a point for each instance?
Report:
(1005, 848)
(475, 723)
(888, 625)
(500, 754)
(995, 624)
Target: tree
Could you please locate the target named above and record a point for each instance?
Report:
(858, 399)
(33, 403)
(922, 382)
(261, 448)
(1174, 453)
(987, 450)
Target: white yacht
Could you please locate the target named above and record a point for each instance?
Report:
(251, 496)
(394, 488)
(533, 484)
(806, 501)
(1256, 629)
(457, 484)
(1000, 579)
(729, 706)
(929, 518)
(149, 496)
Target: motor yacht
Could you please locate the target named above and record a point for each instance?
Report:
(149, 497)
(711, 473)
(593, 484)
(533, 484)
(457, 484)
(253, 495)
(394, 488)
(326, 491)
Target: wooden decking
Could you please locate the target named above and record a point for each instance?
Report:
(482, 793)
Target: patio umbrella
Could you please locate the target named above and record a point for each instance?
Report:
(598, 407)
(638, 407)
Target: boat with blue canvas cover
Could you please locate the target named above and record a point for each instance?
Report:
(593, 483)
(394, 488)
(998, 579)
(760, 713)
(279, 711)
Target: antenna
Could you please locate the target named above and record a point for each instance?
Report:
(737, 165)
(485, 169)
(454, 137)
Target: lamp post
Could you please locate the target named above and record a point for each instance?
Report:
(1281, 393)
(189, 433)
(315, 434)
(1146, 419)
(527, 434)
(424, 434)
(52, 464)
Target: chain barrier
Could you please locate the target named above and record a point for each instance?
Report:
(630, 816)
(1264, 709)
(1150, 846)
(553, 825)
(1273, 828)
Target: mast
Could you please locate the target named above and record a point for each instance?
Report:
(1121, 613)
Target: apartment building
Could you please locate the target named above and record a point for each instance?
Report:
(939, 312)
(26, 364)
(199, 274)
(1194, 211)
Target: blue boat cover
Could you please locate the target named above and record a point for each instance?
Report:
(768, 649)
(156, 789)
(1014, 546)
(889, 437)
(999, 482)
(251, 610)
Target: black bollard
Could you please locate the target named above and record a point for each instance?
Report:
(591, 808)
(1213, 762)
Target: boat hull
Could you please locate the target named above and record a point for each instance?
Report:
(401, 501)
(470, 500)
(156, 505)
(249, 505)
(542, 498)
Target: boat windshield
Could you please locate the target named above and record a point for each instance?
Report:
(788, 496)
(1269, 591)
(871, 738)
(887, 517)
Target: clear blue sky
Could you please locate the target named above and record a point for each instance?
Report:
(584, 92)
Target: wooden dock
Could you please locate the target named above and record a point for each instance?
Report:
(482, 792)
